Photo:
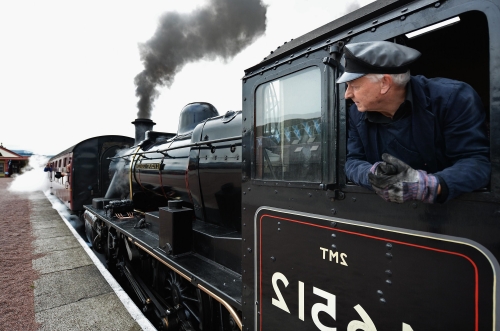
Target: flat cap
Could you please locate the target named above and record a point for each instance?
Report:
(376, 57)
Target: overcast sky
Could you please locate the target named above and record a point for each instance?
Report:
(67, 68)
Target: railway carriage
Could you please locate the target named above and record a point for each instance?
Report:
(80, 173)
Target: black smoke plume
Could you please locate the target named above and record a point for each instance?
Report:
(352, 6)
(221, 29)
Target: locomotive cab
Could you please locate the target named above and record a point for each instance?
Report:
(313, 233)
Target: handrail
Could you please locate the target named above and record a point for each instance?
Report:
(196, 144)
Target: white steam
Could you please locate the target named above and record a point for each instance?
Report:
(32, 177)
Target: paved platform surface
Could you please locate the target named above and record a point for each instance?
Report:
(71, 292)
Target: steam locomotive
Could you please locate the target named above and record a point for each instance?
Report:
(246, 220)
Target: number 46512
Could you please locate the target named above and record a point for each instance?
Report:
(366, 323)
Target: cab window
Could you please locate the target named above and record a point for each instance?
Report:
(288, 127)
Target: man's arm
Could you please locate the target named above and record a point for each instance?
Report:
(356, 166)
(466, 142)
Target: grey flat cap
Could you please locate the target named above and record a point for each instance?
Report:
(376, 57)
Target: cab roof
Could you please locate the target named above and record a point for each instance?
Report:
(368, 12)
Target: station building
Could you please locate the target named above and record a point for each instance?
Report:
(11, 162)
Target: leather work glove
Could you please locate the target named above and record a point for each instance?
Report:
(396, 181)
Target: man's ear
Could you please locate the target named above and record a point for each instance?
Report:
(385, 84)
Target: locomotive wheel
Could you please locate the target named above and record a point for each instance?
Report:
(193, 307)
(97, 243)
(89, 232)
(110, 256)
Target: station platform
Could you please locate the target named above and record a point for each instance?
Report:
(71, 289)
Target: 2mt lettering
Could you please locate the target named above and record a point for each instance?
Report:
(334, 256)
(366, 323)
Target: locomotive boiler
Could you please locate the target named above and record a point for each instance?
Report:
(245, 220)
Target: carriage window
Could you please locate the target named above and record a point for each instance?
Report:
(288, 128)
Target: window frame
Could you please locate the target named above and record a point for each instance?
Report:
(328, 126)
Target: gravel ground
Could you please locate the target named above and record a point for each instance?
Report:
(16, 254)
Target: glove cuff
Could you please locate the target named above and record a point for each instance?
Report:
(373, 168)
(427, 187)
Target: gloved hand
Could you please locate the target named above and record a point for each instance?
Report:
(383, 168)
(396, 181)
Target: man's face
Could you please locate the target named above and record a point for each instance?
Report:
(365, 93)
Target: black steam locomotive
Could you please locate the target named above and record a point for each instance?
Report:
(246, 221)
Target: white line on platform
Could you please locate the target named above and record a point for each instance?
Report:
(133, 310)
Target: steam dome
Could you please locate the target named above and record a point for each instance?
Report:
(193, 114)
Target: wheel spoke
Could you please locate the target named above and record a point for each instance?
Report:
(186, 297)
(192, 311)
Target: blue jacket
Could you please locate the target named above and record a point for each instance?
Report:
(448, 130)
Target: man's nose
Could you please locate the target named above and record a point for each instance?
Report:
(348, 92)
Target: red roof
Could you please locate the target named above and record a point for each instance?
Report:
(6, 154)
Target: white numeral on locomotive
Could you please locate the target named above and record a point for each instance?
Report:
(366, 323)
(329, 308)
(334, 256)
(301, 300)
(280, 303)
(406, 327)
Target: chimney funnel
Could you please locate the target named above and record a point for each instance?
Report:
(141, 126)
